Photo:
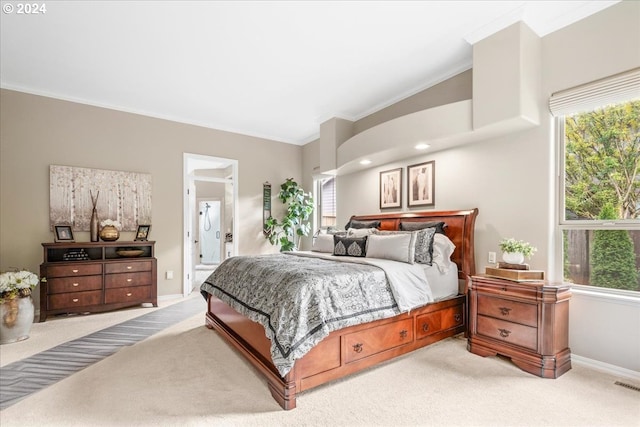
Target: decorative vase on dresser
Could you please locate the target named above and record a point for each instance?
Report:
(97, 276)
(526, 321)
(109, 233)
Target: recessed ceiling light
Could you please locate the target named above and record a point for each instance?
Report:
(365, 162)
(422, 146)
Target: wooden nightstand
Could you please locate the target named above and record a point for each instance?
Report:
(525, 321)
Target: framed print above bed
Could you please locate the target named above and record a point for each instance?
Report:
(421, 180)
(391, 188)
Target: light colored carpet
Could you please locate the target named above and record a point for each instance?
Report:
(187, 376)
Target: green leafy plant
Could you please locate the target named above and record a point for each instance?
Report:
(296, 222)
(512, 245)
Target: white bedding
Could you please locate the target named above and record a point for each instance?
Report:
(443, 285)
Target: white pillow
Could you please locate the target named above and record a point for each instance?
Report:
(323, 243)
(360, 232)
(396, 247)
(443, 248)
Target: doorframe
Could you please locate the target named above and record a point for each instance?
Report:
(189, 206)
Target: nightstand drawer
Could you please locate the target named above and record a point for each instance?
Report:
(74, 300)
(514, 333)
(60, 285)
(72, 270)
(122, 280)
(511, 311)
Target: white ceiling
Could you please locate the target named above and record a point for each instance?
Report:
(264, 68)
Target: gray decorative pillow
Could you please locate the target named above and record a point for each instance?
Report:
(354, 223)
(424, 245)
(421, 225)
(349, 246)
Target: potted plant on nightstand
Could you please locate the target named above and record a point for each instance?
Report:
(514, 251)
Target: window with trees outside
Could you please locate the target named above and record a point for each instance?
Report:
(326, 202)
(600, 195)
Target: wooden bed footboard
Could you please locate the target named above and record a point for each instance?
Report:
(359, 347)
(343, 352)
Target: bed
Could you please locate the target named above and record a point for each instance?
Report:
(355, 347)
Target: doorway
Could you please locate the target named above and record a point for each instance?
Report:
(210, 209)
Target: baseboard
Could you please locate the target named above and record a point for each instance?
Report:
(605, 367)
(167, 297)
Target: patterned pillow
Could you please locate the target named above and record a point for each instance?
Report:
(424, 245)
(354, 223)
(415, 225)
(349, 246)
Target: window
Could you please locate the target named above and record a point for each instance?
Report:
(600, 195)
(326, 202)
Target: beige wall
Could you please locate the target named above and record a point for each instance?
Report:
(511, 178)
(37, 131)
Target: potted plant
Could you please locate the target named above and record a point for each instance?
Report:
(16, 305)
(296, 222)
(514, 251)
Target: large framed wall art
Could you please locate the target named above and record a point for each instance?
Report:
(120, 196)
(421, 184)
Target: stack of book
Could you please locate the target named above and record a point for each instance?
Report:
(75, 255)
(516, 272)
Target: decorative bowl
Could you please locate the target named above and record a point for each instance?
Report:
(129, 253)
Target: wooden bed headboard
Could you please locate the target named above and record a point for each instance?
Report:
(460, 229)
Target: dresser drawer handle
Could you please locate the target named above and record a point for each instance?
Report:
(128, 280)
(75, 300)
(457, 317)
(425, 327)
(504, 333)
(403, 334)
(75, 271)
(504, 310)
(129, 294)
(76, 284)
(357, 348)
(129, 267)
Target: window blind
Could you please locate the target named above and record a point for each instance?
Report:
(610, 90)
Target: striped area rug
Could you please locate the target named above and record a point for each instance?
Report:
(24, 377)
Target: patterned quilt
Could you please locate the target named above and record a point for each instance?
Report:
(299, 299)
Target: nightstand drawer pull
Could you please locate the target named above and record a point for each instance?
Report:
(129, 294)
(504, 333)
(457, 317)
(504, 310)
(75, 271)
(76, 284)
(403, 334)
(75, 300)
(357, 348)
(129, 267)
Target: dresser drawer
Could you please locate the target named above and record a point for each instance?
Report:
(132, 294)
(122, 280)
(70, 270)
(512, 311)
(74, 300)
(58, 285)
(371, 341)
(129, 266)
(514, 333)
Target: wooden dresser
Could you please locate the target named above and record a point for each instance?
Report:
(525, 321)
(97, 276)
